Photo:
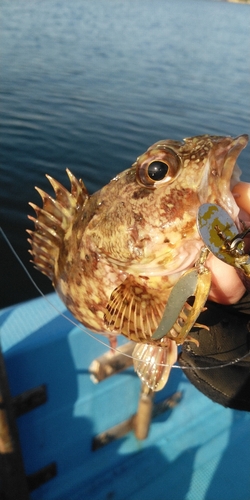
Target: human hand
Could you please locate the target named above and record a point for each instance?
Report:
(227, 286)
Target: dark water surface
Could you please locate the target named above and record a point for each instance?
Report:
(90, 85)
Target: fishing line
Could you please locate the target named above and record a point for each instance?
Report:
(91, 335)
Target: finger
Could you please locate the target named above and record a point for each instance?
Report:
(242, 195)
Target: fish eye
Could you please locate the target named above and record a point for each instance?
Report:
(159, 165)
(157, 170)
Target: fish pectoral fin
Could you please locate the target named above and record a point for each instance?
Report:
(134, 310)
(153, 363)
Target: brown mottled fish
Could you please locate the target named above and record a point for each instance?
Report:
(114, 257)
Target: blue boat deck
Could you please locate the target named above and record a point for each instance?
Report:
(196, 451)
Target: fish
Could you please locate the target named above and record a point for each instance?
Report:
(115, 257)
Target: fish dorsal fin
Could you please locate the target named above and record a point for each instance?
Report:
(134, 310)
(53, 220)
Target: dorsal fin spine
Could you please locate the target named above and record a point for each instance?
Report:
(53, 220)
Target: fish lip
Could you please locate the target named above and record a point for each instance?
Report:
(232, 150)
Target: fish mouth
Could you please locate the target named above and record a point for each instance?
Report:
(231, 153)
(225, 171)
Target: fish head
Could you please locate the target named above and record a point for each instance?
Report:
(205, 165)
(146, 222)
